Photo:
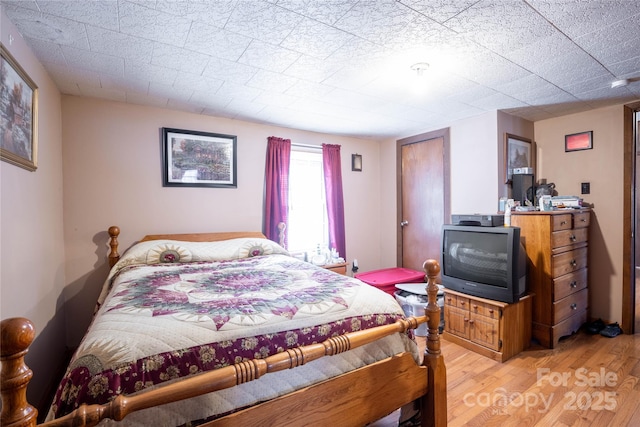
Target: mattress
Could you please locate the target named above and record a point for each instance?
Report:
(172, 309)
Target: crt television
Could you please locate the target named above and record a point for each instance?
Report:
(487, 262)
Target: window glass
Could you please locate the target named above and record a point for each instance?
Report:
(307, 210)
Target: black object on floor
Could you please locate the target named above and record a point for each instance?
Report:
(595, 327)
(612, 330)
(414, 421)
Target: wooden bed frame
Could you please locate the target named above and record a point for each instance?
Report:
(352, 399)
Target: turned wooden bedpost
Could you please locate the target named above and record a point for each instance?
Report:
(114, 256)
(435, 402)
(16, 335)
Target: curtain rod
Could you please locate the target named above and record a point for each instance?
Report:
(313, 147)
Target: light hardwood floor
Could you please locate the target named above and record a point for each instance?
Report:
(587, 380)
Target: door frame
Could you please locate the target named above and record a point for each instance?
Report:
(440, 133)
(629, 233)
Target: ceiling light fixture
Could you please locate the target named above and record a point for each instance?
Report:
(420, 68)
(619, 83)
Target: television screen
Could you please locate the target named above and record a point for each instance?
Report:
(479, 257)
(488, 262)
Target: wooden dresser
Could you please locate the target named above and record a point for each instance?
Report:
(556, 243)
(340, 268)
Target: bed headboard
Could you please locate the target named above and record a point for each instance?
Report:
(205, 237)
(114, 232)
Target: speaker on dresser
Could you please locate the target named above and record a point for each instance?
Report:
(523, 188)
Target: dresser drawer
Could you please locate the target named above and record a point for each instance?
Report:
(568, 237)
(570, 305)
(451, 300)
(569, 284)
(561, 222)
(484, 309)
(581, 220)
(568, 262)
(456, 301)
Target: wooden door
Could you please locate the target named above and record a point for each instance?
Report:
(423, 197)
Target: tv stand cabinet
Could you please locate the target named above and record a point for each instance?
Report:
(492, 328)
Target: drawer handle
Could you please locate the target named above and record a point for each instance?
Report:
(563, 222)
(491, 310)
(471, 322)
(573, 284)
(573, 263)
(583, 220)
(462, 302)
(466, 319)
(572, 238)
(574, 306)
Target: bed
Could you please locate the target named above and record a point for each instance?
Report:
(228, 329)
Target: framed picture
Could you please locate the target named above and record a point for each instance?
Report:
(198, 159)
(519, 152)
(578, 141)
(18, 114)
(356, 162)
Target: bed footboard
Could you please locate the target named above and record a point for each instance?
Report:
(375, 382)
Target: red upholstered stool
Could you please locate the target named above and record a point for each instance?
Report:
(387, 278)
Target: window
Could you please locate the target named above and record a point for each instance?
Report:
(308, 225)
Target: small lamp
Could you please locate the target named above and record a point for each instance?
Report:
(356, 162)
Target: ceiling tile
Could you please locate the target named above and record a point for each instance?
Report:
(576, 18)
(326, 11)
(102, 14)
(228, 70)
(439, 10)
(376, 24)
(153, 73)
(500, 25)
(217, 42)
(151, 24)
(179, 59)
(272, 82)
(268, 57)
(53, 29)
(262, 21)
(315, 39)
(214, 13)
(340, 66)
(86, 60)
(126, 46)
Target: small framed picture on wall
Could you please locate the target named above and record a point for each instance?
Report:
(519, 152)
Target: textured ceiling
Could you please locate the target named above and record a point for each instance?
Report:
(341, 66)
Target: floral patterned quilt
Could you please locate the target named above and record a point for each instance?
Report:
(171, 309)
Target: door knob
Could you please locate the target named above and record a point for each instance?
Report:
(403, 223)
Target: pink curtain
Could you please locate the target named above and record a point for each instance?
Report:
(335, 201)
(276, 207)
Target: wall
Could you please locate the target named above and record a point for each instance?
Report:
(602, 166)
(474, 165)
(515, 126)
(112, 164)
(477, 161)
(32, 275)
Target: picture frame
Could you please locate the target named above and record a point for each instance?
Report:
(578, 141)
(356, 162)
(519, 152)
(18, 114)
(198, 159)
